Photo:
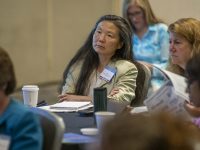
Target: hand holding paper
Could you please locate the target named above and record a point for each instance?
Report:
(170, 97)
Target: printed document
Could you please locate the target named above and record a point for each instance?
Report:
(170, 97)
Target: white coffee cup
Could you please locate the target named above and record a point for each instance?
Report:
(102, 117)
(30, 95)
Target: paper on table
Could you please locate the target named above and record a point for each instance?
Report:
(68, 106)
(54, 110)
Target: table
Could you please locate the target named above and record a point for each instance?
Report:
(74, 122)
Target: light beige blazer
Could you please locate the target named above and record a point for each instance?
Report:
(124, 80)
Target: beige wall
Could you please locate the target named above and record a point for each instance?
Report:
(171, 10)
(42, 35)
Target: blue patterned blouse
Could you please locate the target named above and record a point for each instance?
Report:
(154, 45)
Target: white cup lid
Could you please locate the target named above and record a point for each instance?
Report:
(30, 88)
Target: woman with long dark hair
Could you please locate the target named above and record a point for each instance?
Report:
(104, 60)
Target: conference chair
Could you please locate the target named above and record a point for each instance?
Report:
(53, 128)
(142, 84)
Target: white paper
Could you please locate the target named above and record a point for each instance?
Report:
(67, 106)
(170, 97)
(70, 105)
(139, 109)
(54, 110)
(179, 84)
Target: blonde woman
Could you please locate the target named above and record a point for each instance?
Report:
(184, 43)
(184, 59)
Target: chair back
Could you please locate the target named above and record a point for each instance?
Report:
(142, 84)
(53, 128)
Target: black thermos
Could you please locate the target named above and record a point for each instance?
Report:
(100, 99)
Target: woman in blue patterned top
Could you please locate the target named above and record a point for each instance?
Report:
(150, 39)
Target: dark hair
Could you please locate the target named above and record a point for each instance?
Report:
(7, 75)
(90, 58)
(193, 69)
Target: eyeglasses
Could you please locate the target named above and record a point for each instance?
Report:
(135, 14)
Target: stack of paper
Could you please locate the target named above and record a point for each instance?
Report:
(68, 106)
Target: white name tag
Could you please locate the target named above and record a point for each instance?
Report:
(4, 142)
(108, 73)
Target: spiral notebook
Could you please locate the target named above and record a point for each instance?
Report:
(70, 105)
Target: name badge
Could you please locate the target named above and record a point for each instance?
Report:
(4, 142)
(108, 73)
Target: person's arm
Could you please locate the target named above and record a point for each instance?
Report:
(70, 83)
(72, 97)
(27, 133)
(125, 85)
(69, 88)
(192, 110)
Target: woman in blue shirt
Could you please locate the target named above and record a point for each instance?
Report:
(150, 38)
(19, 127)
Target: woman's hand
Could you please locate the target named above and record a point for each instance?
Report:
(67, 97)
(114, 91)
(127, 110)
(71, 97)
(191, 109)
